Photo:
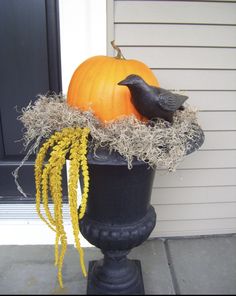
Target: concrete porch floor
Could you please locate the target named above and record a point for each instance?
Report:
(200, 265)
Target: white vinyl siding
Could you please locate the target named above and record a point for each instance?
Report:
(191, 47)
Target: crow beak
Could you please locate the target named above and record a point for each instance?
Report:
(124, 82)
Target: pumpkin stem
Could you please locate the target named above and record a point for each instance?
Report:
(119, 53)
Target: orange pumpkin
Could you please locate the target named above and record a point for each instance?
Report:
(94, 86)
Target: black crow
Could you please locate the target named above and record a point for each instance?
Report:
(151, 101)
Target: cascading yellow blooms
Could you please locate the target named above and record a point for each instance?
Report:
(48, 179)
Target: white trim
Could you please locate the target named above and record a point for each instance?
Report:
(110, 27)
(82, 33)
(20, 225)
(32, 232)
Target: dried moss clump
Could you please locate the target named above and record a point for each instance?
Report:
(158, 143)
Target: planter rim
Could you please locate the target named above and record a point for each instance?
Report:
(105, 157)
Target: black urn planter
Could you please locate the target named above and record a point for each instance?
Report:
(118, 218)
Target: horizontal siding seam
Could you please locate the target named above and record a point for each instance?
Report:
(195, 203)
(225, 149)
(217, 131)
(191, 186)
(193, 69)
(175, 23)
(196, 219)
(178, 46)
(165, 172)
(218, 111)
(216, 186)
(200, 1)
(193, 232)
(189, 89)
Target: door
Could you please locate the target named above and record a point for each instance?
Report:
(30, 65)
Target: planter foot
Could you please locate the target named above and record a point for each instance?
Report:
(114, 286)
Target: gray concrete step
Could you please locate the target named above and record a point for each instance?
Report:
(205, 265)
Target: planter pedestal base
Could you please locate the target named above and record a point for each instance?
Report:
(115, 273)
(123, 278)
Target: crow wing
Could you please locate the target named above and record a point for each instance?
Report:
(169, 101)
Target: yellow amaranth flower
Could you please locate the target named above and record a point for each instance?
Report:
(38, 171)
(84, 140)
(73, 141)
(72, 188)
(56, 179)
